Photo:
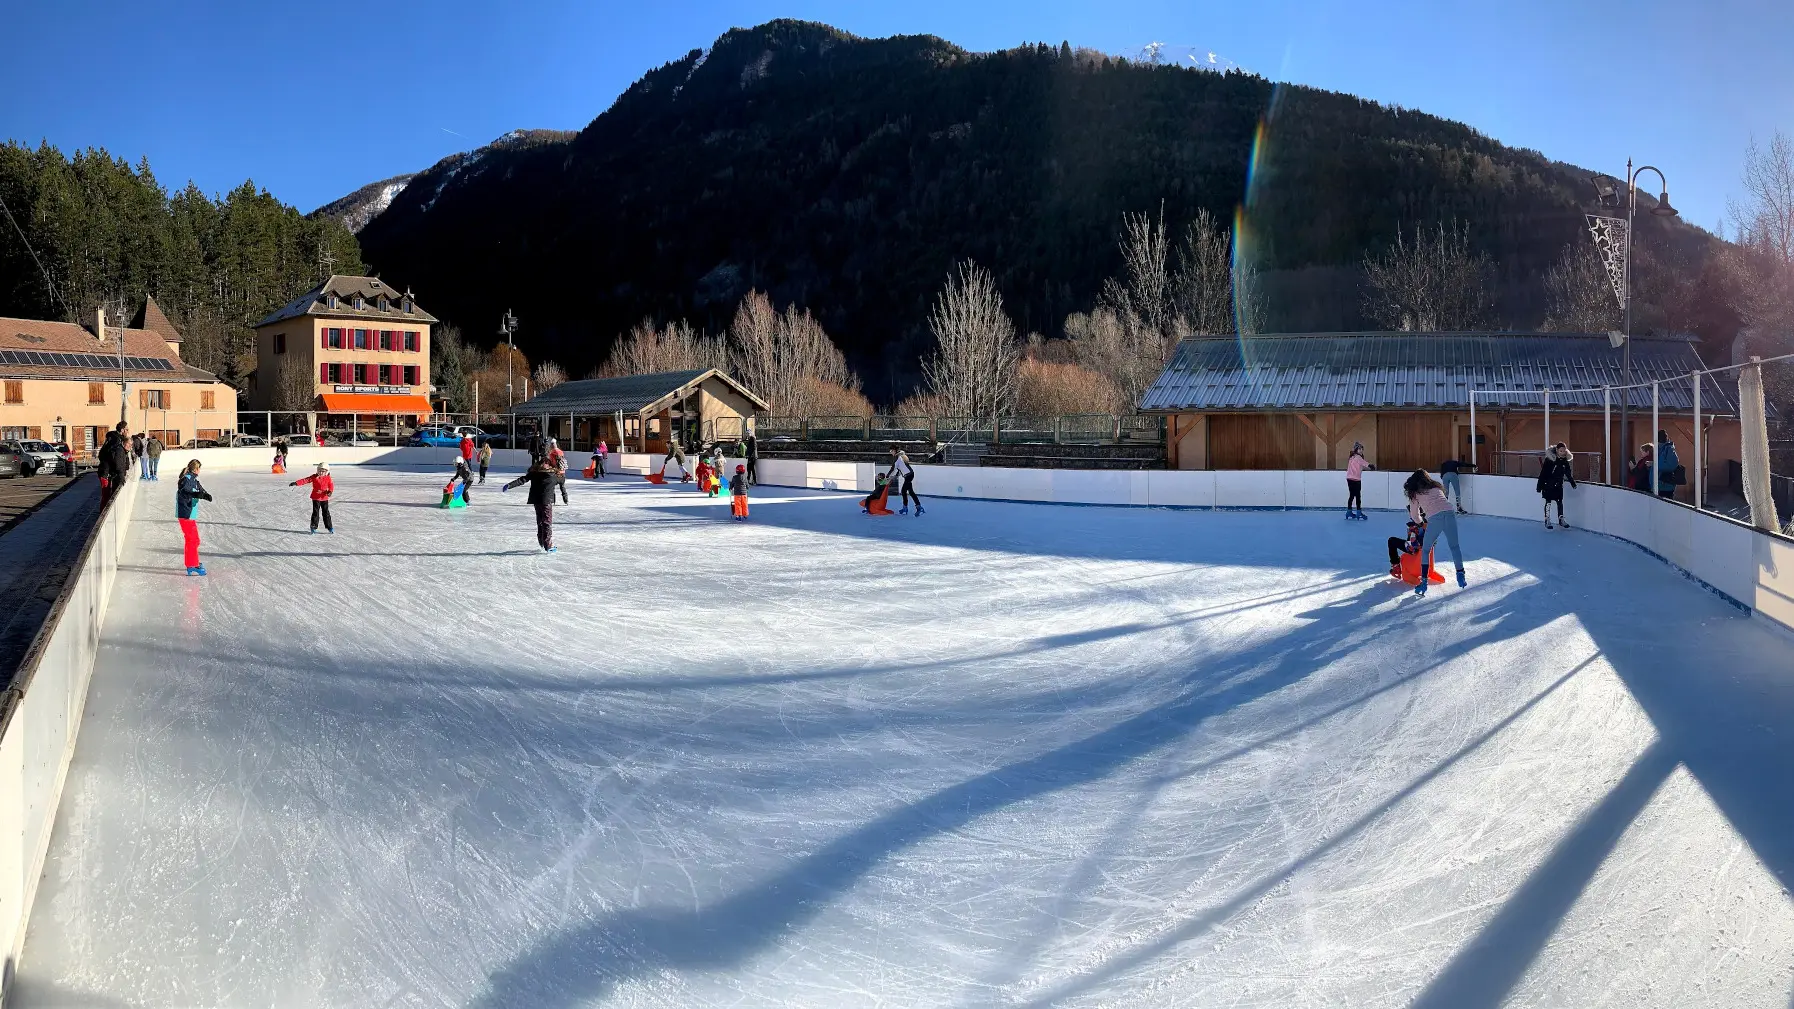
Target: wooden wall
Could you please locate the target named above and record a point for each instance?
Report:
(1259, 441)
(1411, 441)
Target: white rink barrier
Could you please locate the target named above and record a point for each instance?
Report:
(1753, 569)
(38, 725)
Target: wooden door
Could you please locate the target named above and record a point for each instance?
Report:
(1259, 441)
(1411, 441)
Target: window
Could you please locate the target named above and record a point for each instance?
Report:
(361, 374)
(96, 393)
(386, 374)
(411, 339)
(383, 305)
(411, 374)
(15, 392)
(152, 399)
(331, 301)
(361, 340)
(339, 339)
(339, 373)
(359, 305)
(208, 400)
(280, 343)
(330, 374)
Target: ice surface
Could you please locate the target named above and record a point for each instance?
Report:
(1001, 755)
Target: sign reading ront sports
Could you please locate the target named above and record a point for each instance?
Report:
(378, 390)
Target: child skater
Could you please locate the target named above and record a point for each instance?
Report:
(541, 478)
(464, 476)
(557, 460)
(1356, 464)
(1399, 546)
(1552, 474)
(705, 473)
(187, 495)
(1428, 505)
(738, 488)
(879, 483)
(485, 457)
(321, 489)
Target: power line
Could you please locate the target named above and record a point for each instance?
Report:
(48, 282)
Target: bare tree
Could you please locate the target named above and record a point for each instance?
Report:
(546, 376)
(294, 388)
(1144, 288)
(1579, 293)
(1764, 259)
(1432, 283)
(973, 370)
(789, 360)
(1121, 348)
(678, 347)
(1049, 388)
(1202, 283)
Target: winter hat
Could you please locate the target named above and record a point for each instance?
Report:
(323, 467)
(741, 469)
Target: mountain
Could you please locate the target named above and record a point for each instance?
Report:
(847, 175)
(355, 210)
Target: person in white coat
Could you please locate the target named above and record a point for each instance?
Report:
(903, 476)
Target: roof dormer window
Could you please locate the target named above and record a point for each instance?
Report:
(383, 305)
(406, 305)
(331, 300)
(359, 304)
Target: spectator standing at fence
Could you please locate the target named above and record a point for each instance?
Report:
(1640, 477)
(1670, 474)
(485, 457)
(750, 446)
(1427, 504)
(1553, 471)
(115, 462)
(152, 454)
(137, 453)
(1448, 478)
(1356, 464)
(188, 493)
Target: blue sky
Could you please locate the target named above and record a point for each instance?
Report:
(313, 100)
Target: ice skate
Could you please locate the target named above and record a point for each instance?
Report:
(1462, 583)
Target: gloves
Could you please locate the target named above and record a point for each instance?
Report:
(295, 483)
(505, 489)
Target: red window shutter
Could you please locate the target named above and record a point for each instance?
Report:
(324, 339)
(323, 373)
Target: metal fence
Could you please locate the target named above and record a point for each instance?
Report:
(1066, 429)
(1702, 397)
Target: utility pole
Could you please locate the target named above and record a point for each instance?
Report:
(124, 389)
(507, 327)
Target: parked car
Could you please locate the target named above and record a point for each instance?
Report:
(12, 460)
(40, 457)
(200, 443)
(297, 440)
(441, 437)
(359, 441)
(247, 441)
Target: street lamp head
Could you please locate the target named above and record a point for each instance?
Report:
(1606, 191)
(1663, 209)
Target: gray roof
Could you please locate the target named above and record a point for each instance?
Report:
(316, 302)
(594, 397)
(1422, 371)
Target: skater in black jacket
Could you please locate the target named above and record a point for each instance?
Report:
(1552, 474)
(542, 478)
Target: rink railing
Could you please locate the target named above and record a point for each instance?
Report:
(39, 718)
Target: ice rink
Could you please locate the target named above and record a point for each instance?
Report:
(1001, 755)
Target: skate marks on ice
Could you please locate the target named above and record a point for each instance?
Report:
(1025, 755)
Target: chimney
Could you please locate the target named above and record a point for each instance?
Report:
(99, 324)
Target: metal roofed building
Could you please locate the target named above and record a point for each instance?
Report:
(1299, 401)
(637, 411)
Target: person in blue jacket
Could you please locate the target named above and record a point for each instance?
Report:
(187, 496)
(1667, 466)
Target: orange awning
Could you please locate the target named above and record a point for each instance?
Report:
(359, 402)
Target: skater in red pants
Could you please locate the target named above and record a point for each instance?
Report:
(187, 496)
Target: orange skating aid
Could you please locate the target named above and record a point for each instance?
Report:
(1411, 569)
(278, 468)
(880, 505)
(654, 478)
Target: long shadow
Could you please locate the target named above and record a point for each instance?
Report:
(1265, 883)
(582, 963)
(1482, 973)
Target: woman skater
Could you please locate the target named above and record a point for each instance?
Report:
(321, 489)
(541, 478)
(1552, 474)
(1427, 503)
(187, 495)
(902, 476)
(1356, 464)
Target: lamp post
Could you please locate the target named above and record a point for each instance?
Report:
(507, 327)
(1609, 197)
